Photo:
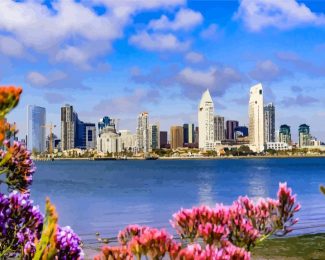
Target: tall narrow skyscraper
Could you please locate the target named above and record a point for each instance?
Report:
(154, 136)
(269, 123)
(68, 127)
(219, 128)
(256, 118)
(285, 134)
(176, 136)
(304, 135)
(188, 130)
(206, 122)
(143, 132)
(36, 131)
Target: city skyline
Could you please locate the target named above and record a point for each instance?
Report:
(179, 48)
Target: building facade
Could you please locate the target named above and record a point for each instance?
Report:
(219, 128)
(128, 141)
(304, 135)
(241, 131)
(154, 136)
(256, 119)
(206, 122)
(143, 132)
(188, 130)
(163, 139)
(278, 146)
(230, 129)
(285, 134)
(36, 131)
(177, 137)
(269, 123)
(68, 127)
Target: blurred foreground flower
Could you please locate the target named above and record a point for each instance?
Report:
(9, 98)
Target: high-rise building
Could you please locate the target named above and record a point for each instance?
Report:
(154, 136)
(68, 127)
(196, 136)
(256, 118)
(143, 132)
(269, 123)
(36, 131)
(230, 129)
(106, 123)
(188, 130)
(285, 134)
(304, 135)
(219, 128)
(163, 139)
(206, 122)
(177, 137)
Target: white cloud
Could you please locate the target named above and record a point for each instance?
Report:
(158, 42)
(185, 19)
(194, 57)
(11, 47)
(37, 79)
(63, 31)
(282, 14)
(211, 32)
(217, 79)
(268, 71)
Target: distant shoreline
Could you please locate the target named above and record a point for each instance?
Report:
(187, 158)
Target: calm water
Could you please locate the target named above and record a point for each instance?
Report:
(105, 196)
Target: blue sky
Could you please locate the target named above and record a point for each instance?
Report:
(120, 58)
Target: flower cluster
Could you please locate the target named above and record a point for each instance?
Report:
(114, 253)
(195, 251)
(68, 244)
(243, 223)
(20, 224)
(9, 98)
(17, 164)
(223, 232)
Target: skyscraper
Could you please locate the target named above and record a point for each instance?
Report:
(304, 135)
(143, 132)
(177, 137)
(206, 122)
(85, 135)
(256, 118)
(188, 130)
(36, 131)
(285, 134)
(68, 127)
(163, 139)
(219, 128)
(269, 123)
(154, 136)
(230, 129)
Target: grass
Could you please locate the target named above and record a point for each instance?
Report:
(302, 247)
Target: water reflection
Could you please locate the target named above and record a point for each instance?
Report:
(205, 190)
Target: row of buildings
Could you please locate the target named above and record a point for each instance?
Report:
(211, 133)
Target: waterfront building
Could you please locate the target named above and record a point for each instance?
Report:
(177, 137)
(256, 119)
(304, 135)
(269, 123)
(36, 131)
(128, 141)
(230, 129)
(241, 131)
(285, 134)
(108, 140)
(154, 136)
(85, 135)
(278, 146)
(68, 127)
(219, 128)
(206, 122)
(163, 136)
(188, 130)
(107, 123)
(143, 132)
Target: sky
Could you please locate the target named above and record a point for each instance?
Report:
(120, 58)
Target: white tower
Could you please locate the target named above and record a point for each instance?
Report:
(206, 122)
(256, 118)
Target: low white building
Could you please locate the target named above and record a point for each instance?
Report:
(128, 141)
(278, 146)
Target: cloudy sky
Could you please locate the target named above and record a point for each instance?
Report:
(119, 58)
